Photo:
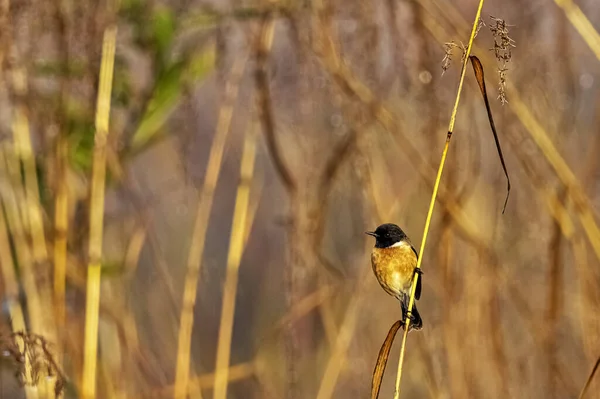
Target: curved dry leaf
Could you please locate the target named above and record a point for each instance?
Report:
(478, 69)
(382, 358)
(589, 380)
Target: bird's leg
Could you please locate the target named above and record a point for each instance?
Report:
(418, 271)
(411, 317)
(403, 306)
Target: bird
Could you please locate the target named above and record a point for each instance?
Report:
(394, 262)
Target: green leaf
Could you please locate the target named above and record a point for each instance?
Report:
(167, 94)
(121, 91)
(163, 31)
(201, 64)
(81, 143)
(165, 98)
(112, 268)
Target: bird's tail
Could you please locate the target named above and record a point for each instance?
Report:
(417, 322)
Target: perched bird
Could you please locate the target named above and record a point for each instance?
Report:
(394, 262)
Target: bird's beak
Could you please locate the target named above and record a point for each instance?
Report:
(371, 233)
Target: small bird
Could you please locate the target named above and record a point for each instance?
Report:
(394, 262)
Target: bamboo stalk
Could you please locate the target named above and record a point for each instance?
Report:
(194, 263)
(434, 195)
(234, 257)
(97, 214)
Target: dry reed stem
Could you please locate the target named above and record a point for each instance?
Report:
(32, 207)
(263, 45)
(589, 379)
(234, 258)
(97, 213)
(582, 24)
(61, 217)
(24, 152)
(337, 359)
(61, 225)
(434, 196)
(238, 372)
(22, 249)
(27, 277)
(196, 251)
(134, 250)
(11, 294)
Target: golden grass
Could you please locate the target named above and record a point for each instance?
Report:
(88, 385)
(23, 257)
(11, 294)
(234, 258)
(434, 195)
(196, 251)
(365, 82)
(582, 24)
(61, 225)
(24, 152)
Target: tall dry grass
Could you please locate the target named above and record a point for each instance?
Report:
(185, 297)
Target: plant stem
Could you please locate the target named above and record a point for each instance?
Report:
(234, 258)
(196, 251)
(97, 214)
(434, 195)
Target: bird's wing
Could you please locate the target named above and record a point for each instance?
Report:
(419, 282)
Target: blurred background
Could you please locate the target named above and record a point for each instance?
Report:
(250, 146)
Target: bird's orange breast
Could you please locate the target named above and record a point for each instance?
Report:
(394, 268)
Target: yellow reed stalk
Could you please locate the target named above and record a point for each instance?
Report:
(238, 372)
(11, 295)
(11, 285)
(97, 214)
(582, 24)
(234, 258)
(22, 249)
(196, 251)
(61, 225)
(30, 206)
(24, 151)
(337, 359)
(434, 194)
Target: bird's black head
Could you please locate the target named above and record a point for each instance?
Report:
(387, 235)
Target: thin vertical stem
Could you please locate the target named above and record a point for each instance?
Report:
(234, 258)
(97, 213)
(434, 195)
(196, 251)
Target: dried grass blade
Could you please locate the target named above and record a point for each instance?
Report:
(234, 258)
(590, 377)
(382, 358)
(478, 69)
(97, 214)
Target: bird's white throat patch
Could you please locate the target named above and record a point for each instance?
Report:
(399, 244)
